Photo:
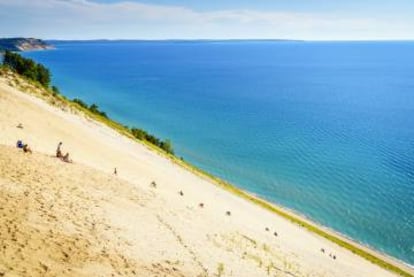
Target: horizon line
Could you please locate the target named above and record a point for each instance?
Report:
(231, 39)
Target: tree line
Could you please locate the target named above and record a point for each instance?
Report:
(143, 135)
(39, 73)
(93, 108)
(27, 68)
(136, 132)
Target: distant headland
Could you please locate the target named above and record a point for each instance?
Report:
(23, 44)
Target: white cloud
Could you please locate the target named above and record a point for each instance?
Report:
(82, 19)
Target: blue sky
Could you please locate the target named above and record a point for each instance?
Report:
(208, 19)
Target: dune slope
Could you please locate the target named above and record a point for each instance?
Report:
(80, 219)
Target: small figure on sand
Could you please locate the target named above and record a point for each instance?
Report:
(181, 193)
(59, 151)
(20, 126)
(19, 144)
(115, 171)
(59, 154)
(26, 149)
(66, 158)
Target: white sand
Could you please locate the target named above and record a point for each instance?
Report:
(121, 225)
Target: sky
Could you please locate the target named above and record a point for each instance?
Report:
(208, 19)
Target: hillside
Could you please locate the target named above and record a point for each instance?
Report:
(152, 217)
(23, 44)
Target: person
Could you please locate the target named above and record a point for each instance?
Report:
(58, 151)
(115, 171)
(66, 158)
(26, 149)
(19, 144)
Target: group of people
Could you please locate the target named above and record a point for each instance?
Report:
(26, 149)
(24, 146)
(59, 154)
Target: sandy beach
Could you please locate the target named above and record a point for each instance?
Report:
(154, 218)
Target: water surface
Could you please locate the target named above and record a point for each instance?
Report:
(323, 128)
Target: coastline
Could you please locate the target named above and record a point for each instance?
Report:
(275, 209)
(301, 220)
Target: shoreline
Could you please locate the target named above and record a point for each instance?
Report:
(298, 219)
(316, 229)
(289, 214)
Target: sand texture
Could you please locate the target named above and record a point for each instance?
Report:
(61, 219)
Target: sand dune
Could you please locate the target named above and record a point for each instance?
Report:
(79, 219)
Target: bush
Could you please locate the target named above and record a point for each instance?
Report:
(95, 109)
(55, 91)
(27, 68)
(80, 103)
(143, 135)
(92, 108)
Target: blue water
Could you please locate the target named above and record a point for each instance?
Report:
(323, 128)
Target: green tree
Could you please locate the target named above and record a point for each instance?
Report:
(80, 103)
(43, 75)
(28, 68)
(167, 146)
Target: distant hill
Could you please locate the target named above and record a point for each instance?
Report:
(173, 40)
(23, 44)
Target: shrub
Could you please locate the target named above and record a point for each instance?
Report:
(27, 68)
(80, 103)
(55, 91)
(143, 135)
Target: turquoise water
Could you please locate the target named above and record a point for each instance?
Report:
(326, 129)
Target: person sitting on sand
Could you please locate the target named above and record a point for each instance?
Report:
(19, 144)
(66, 158)
(26, 149)
(58, 151)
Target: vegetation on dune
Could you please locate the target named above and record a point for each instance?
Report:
(93, 108)
(143, 135)
(27, 68)
(137, 133)
(39, 74)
